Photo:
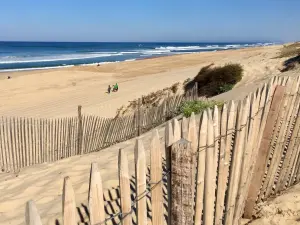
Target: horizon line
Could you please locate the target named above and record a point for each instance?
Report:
(256, 41)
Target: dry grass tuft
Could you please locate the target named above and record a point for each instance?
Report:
(151, 100)
(290, 50)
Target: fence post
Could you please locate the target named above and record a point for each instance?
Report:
(32, 214)
(259, 169)
(139, 117)
(80, 131)
(182, 183)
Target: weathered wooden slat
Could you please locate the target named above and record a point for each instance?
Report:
(43, 140)
(109, 136)
(209, 186)
(90, 134)
(124, 180)
(294, 128)
(76, 140)
(24, 142)
(106, 127)
(156, 177)
(237, 161)
(96, 201)
(32, 216)
(115, 131)
(101, 133)
(59, 139)
(56, 135)
(128, 130)
(8, 145)
(201, 169)
(2, 149)
(216, 143)
(23, 150)
(247, 158)
(121, 129)
(52, 140)
(177, 130)
(259, 168)
(34, 140)
(83, 134)
(192, 133)
(69, 204)
(69, 136)
(64, 139)
(169, 140)
(140, 170)
(221, 172)
(79, 131)
(32, 148)
(285, 116)
(29, 143)
(97, 124)
(13, 144)
(15, 129)
(184, 128)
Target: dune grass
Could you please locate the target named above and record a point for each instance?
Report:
(216, 80)
(290, 50)
(198, 106)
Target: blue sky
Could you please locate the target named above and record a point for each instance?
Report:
(150, 20)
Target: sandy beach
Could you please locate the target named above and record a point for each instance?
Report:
(57, 93)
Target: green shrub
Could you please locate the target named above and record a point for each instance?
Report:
(225, 88)
(197, 106)
(215, 80)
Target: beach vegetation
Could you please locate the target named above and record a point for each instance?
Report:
(214, 80)
(198, 106)
(174, 88)
(226, 87)
(290, 50)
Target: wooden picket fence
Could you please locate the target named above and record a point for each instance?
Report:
(241, 154)
(29, 141)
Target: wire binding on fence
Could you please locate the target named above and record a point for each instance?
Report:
(137, 198)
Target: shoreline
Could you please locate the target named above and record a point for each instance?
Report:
(56, 93)
(101, 64)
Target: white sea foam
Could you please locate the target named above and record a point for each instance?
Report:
(55, 58)
(38, 68)
(130, 52)
(211, 47)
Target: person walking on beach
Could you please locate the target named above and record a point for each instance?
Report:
(109, 89)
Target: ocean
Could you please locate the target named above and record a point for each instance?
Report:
(17, 56)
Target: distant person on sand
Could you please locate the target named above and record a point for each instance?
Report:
(116, 87)
(108, 89)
